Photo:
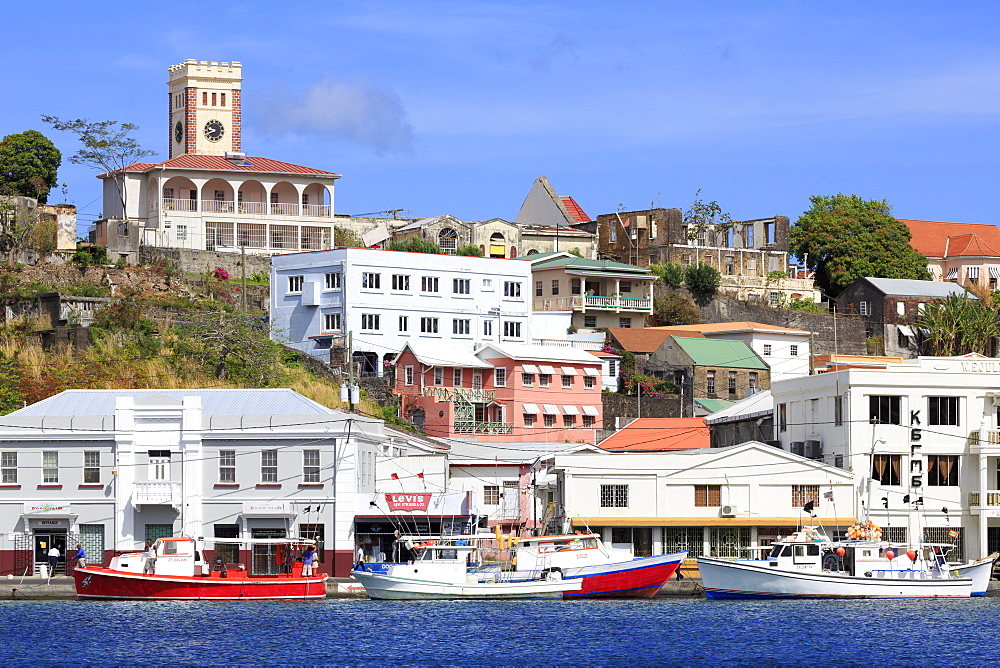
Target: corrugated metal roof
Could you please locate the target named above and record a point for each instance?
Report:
(279, 401)
(755, 405)
(713, 405)
(585, 265)
(445, 355)
(653, 434)
(523, 351)
(911, 288)
(720, 353)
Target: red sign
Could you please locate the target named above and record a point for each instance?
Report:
(416, 501)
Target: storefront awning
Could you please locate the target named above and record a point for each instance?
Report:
(591, 371)
(994, 272)
(571, 410)
(952, 273)
(551, 409)
(545, 368)
(530, 409)
(529, 368)
(590, 410)
(568, 371)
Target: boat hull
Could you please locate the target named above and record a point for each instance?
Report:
(642, 577)
(381, 586)
(735, 579)
(95, 582)
(980, 571)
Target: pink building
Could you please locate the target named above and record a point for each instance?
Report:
(501, 393)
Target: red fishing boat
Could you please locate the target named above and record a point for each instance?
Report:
(179, 571)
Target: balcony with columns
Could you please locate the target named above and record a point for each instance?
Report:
(156, 493)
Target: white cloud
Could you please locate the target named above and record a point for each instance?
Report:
(361, 111)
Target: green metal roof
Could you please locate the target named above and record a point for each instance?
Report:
(583, 264)
(720, 352)
(713, 405)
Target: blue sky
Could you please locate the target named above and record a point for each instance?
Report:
(456, 107)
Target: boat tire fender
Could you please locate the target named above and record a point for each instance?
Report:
(553, 574)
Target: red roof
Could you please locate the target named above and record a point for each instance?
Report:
(574, 209)
(654, 434)
(648, 339)
(218, 163)
(940, 240)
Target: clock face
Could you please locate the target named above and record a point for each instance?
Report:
(214, 130)
(178, 132)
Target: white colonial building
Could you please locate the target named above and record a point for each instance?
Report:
(924, 431)
(110, 469)
(385, 299)
(209, 194)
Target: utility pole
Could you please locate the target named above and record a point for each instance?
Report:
(350, 371)
(243, 275)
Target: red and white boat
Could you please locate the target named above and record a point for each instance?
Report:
(606, 572)
(181, 572)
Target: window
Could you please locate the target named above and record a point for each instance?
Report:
(793, 350)
(8, 468)
(775, 299)
(588, 382)
(614, 496)
(461, 326)
(461, 286)
(803, 494)
(529, 420)
(404, 323)
(901, 308)
(767, 349)
(707, 496)
(543, 380)
(527, 379)
(625, 322)
(371, 280)
(942, 470)
(50, 467)
(942, 411)
(732, 383)
(331, 322)
(491, 495)
(228, 552)
(310, 466)
(838, 411)
(511, 289)
(182, 234)
(500, 377)
(752, 381)
(429, 284)
(574, 286)
(885, 469)
(550, 420)
(487, 328)
(408, 375)
(782, 417)
(227, 466)
(438, 375)
(512, 329)
(269, 466)
(370, 321)
(448, 240)
(488, 284)
(295, 283)
(863, 308)
(331, 280)
(567, 382)
(588, 421)
(91, 467)
(710, 382)
(429, 325)
(400, 282)
(555, 287)
(568, 421)
(538, 288)
(883, 409)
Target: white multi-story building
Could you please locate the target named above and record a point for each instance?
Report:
(110, 469)
(925, 431)
(384, 299)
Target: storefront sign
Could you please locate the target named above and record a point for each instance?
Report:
(414, 501)
(265, 508)
(46, 509)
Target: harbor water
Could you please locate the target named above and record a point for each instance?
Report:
(362, 632)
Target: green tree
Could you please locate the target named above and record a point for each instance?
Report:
(235, 345)
(414, 245)
(18, 217)
(42, 237)
(107, 145)
(844, 238)
(576, 252)
(28, 165)
(673, 308)
(706, 219)
(345, 238)
(670, 274)
(960, 324)
(702, 280)
(471, 250)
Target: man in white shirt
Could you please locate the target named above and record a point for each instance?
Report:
(54, 555)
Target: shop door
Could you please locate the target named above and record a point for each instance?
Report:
(270, 559)
(44, 542)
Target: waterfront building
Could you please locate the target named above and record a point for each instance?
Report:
(110, 469)
(924, 431)
(386, 299)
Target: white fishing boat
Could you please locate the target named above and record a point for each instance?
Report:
(980, 571)
(441, 571)
(808, 564)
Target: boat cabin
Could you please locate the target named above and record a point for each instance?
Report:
(538, 553)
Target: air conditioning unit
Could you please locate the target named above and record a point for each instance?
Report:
(728, 510)
(797, 447)
(814, 450)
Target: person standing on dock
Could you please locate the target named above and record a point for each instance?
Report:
(53, 559)
(308, 557)
(80, 556)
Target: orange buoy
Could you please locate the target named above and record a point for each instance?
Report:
(840, 551)
(890, 555)
(911, 555)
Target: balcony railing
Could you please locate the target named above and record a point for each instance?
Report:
(992, 437)
(992, 499)
(477, 396)
(476, 427)
(157, 492)
(248, 208)
(593, 302)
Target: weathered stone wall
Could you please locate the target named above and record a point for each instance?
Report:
(659, 406)
(201, 261)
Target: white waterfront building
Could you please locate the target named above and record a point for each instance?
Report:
(387, 298)
(110, 469)
(925, 431)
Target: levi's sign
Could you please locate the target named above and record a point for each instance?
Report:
(408, 501)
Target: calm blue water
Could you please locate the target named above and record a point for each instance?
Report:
(663, 631)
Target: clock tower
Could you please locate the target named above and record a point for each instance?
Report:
(204, 107)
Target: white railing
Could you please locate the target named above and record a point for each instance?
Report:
(174, 204)
(254, 208)
(448, 394)
(316, 210)
(280, 209)
(592, 302)
(251, 208)
(157, 492)
(218, 206)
